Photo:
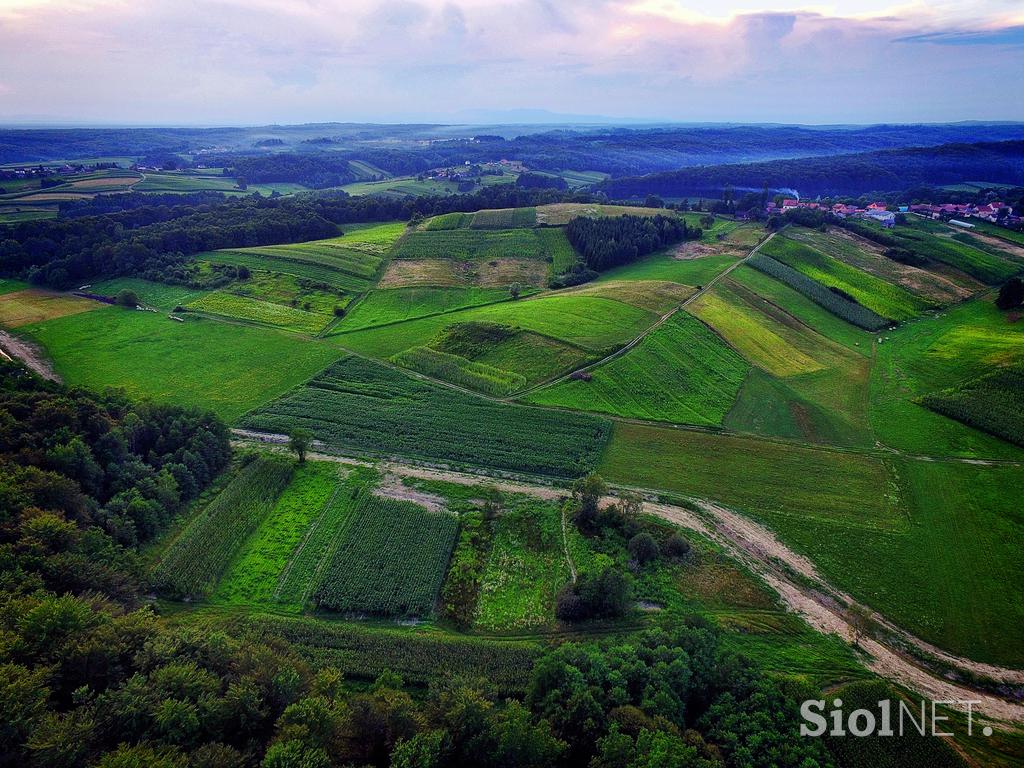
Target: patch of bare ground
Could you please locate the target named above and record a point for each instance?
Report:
(13, 348)
(391, 486)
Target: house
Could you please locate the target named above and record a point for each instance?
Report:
(886, 218)
(789, 204)
(877, 207)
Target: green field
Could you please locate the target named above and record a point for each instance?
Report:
(159, 295)
(882, 297)
(931, 240)
(681, 373)
(935, 354)
(358, 405)
(923, 526)
(525, 569)
(385, 306)
(226, 368)
(253, 576)
(197, 558)
(470, 244)
(993, 403)
(390, 560)
(662, 266)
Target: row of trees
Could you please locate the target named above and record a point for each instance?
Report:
(607, 242)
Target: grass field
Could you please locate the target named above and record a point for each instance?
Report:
(385, 306)
(230, 305)
(589, 322)
(470, 244)
(451, 273)
(934, 354)
(226, 368)
(253, 576)
(159, 295)
(558, 214)
(681, 373)
(665, 266)
(658, 296)
(358, 405)
(390, 560)
(884, 298)
(525, 569)
(923, 526)
(993, 403)
(461, 371)
(867, 256)
(931, 240)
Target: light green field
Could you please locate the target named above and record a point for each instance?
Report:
(385, 306)
(223, 367)
(253, 575)
(592, 323)
(681, 373)
(658, 296)
(230, 305)
(469, 244)
(937, 353)
(886, 299)
(460, 370)
(406, 186)
(181, 182)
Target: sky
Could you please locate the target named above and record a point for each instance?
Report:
(254, 62)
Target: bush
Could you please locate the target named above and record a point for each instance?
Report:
(126, 298)
(676, 547)
(1011, 295)
(643, 548)
(604, 596)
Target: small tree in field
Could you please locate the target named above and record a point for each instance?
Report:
(126, 298)
(514, 290)
(298, 442)
(643, 548)
(1011, 295)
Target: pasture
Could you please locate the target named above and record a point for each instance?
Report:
(223, 367)
(385, 306)
(682, 373)
(230, 305)
(359, 405)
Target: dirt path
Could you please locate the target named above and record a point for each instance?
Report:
(795, 579)
(12, 347)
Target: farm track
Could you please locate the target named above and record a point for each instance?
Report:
(792, 576)
(15, 348)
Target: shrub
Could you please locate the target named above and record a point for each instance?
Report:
(1011, 295)
(126, 298)
(676, 547)
(643, 548)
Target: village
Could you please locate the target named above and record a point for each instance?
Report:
(885, 214)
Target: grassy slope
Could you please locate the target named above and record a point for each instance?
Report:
(680, 373)
(908, 537)
(227, 368)
(397, 304)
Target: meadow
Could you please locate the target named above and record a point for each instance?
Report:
(236, 307)
(227, 368)
(470, 244)
(682, 372)
(359, 405)
(31, 305)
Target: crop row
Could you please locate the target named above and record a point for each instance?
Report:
(363, 653)
(459, 370)
(993, 403)
(504, 218)
(303, 573)
(194, 562)
(259, 311)
(357, 404)
(390, 561)
(839, 306)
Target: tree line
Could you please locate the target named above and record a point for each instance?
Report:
(157, 242)
(609, 241)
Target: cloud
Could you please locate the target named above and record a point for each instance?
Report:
(246, 61)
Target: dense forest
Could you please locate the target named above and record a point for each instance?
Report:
(607, 242)
(91, 675)
(157, 241)
(851, 174)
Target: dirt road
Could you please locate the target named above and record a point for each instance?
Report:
(11, 347)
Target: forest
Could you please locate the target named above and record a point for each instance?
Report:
(848, 174)
(608, 242)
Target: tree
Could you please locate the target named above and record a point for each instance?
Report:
(126, 298)
(643, 548)
(676, 547)
(298, 443)
(587, 492)
(514, 290)
(653, 201)
(1011, 295)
